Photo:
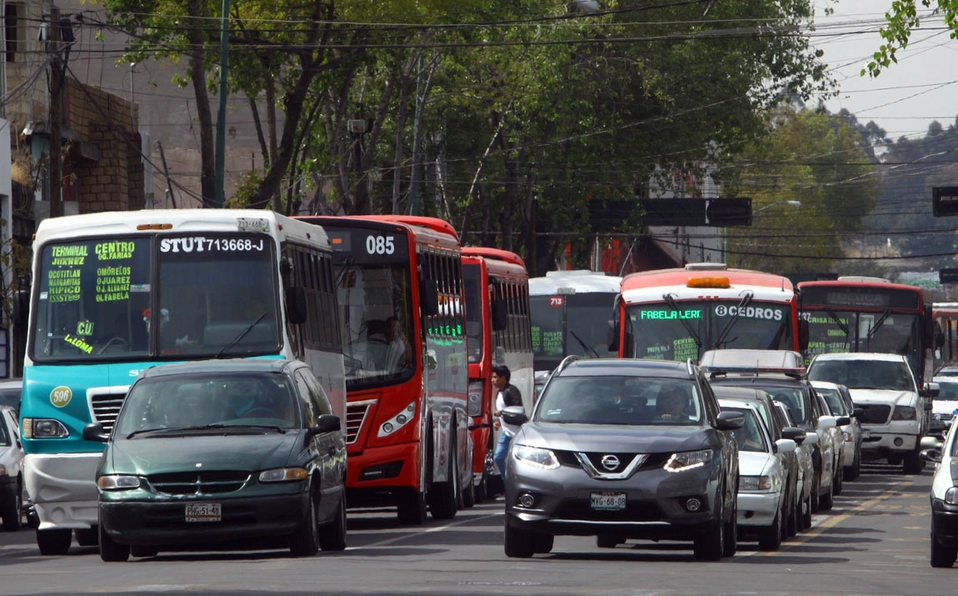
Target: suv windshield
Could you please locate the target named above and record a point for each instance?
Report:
(863, 374)
(624, 400)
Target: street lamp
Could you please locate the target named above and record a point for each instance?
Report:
(770, 205)
(754, 211)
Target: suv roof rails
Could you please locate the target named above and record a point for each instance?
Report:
(794, 373)
(565, 362)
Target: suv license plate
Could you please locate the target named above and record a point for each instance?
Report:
(204, 512)
(608, 501)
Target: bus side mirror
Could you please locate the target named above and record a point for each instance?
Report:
(612, 336)
(296, 308)
(803, 335)
(429, 298)
(500, 315)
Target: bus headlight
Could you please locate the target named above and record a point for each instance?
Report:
(398, 421)
(44, 428)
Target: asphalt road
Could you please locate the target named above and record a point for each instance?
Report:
(875, 541)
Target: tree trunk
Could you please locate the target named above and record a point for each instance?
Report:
(198, 79)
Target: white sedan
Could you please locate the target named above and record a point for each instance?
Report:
(11, 470)
(762, 507)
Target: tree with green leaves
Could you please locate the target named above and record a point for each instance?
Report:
(902, 18)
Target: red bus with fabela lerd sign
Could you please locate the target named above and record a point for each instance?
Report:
(400, 289)
(677, 314)
(498, 332)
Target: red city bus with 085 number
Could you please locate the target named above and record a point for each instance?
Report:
(498, 332)
(400, 289)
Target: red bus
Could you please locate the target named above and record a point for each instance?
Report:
(677, 314)
(869, 314)
(498, 332)
(400, 287)
(945, 315)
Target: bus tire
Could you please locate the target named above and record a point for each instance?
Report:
(469, 494)
(444, 496)
(54, 542)
(411, 507)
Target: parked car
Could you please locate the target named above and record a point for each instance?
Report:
(944, 406)
(624, 449)
(896, 415)
(225, 453)
(11, 470)
(944, 498)
(778, 429)
(839, 401)
(837, 438)
(763, 505)
(781, 373)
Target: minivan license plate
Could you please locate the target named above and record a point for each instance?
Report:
(204, 512)
(608, 500)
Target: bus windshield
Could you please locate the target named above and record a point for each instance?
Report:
(564, 325)
(683, 330)
(96, 300)
(472, 280)
(831, 331)
(375, 301)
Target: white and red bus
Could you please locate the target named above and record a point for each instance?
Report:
(677, 314)
(869, 314)
(498, 332)
(571, 311)
(402, 310)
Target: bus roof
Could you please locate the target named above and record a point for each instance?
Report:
(698, 280)
(493, 253)
(430, 229)
(112, 223)
(578, 281)
(859, 282)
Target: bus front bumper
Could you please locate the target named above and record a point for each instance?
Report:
(62, 489)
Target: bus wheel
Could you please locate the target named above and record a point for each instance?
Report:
(443, 496)
(54, 542)
(469, 494)
(411, 507)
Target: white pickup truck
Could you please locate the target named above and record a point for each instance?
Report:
(896, 412)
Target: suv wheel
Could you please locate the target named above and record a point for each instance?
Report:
(519, 543)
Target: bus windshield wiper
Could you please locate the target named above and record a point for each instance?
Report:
(878, 323)
(746, 299)
(239, 336)
(670, 300)
(583, 344)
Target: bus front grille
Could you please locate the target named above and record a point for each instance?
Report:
(106, 406)
(356, 414)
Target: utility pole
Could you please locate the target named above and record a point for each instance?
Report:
(56, 113)
(220, 164)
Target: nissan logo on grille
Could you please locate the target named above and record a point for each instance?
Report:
(610, 462)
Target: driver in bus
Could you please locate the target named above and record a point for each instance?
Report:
(398, 350)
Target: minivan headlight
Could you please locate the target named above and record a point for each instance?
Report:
(680, 462)
(283, 475)
(118, 482)
(536, 456)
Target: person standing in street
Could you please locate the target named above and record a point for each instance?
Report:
(508, 395)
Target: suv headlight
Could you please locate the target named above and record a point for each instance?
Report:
(903, 413)
(679, 462)
(542, 458)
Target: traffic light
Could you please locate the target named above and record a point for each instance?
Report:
(729, 212)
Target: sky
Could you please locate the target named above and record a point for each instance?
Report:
(908, 96)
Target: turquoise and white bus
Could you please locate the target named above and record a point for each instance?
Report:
(115, 293)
